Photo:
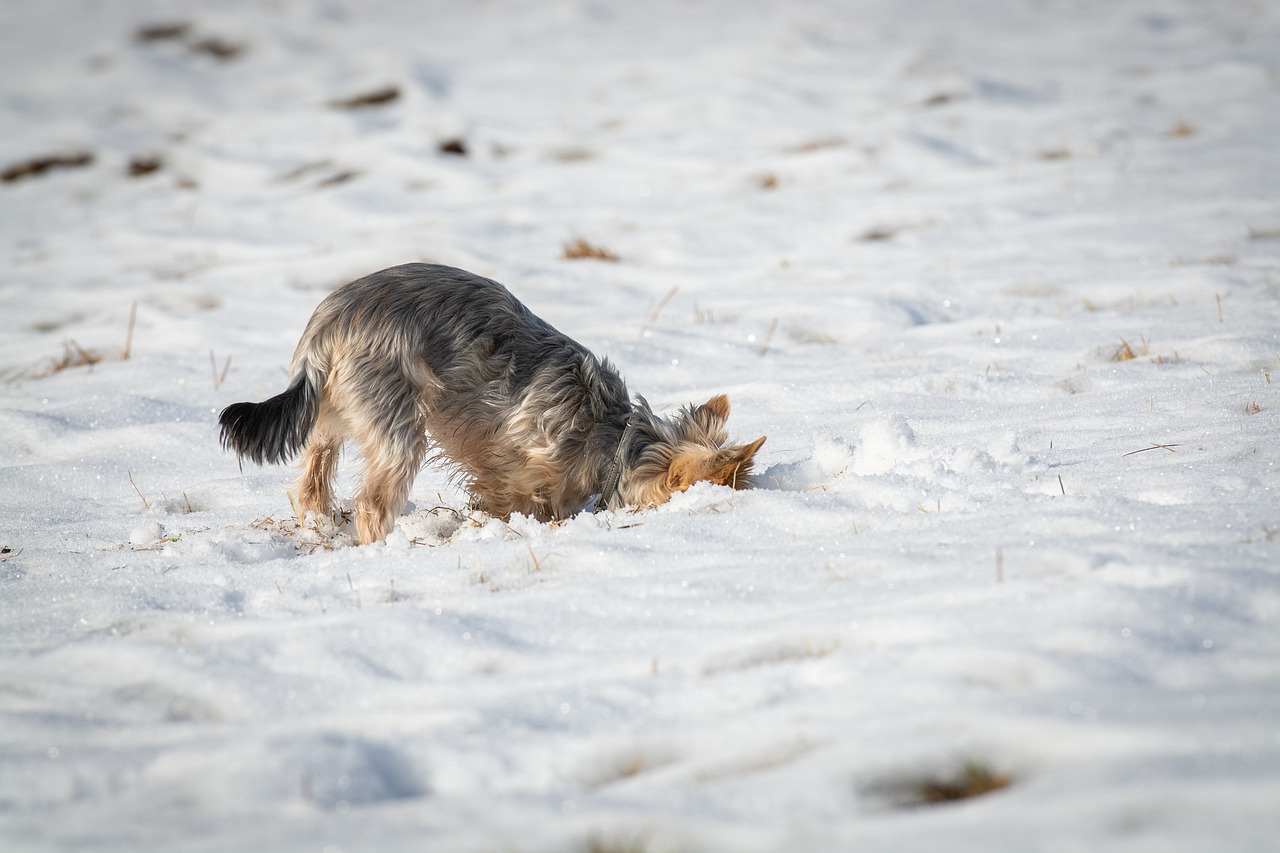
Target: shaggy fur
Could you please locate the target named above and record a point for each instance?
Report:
(421, 357)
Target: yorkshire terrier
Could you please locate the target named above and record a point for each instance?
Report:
(420, 357)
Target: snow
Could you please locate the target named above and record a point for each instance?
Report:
(909, 239)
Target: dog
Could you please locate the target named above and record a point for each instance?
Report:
(421, 358)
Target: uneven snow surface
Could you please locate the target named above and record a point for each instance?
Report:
(1000, 281)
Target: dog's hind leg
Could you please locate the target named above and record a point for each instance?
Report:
(319, 469)
(391, 432)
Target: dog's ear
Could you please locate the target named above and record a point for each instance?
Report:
(718, 406)
(730, 466)
(734, 465)
(684, 471)
(710, 417)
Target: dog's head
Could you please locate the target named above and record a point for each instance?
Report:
(685, 450)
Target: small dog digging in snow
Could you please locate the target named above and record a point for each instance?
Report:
(421, 357)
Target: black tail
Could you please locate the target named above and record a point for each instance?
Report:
(273, 430)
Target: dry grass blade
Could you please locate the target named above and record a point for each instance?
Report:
(218, 378)
(656, 308)
(145, 503)
(1168, 447)
(768, 338)
(128, 336)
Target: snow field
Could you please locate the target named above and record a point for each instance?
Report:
(998, 281)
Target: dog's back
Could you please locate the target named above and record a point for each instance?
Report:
(466, 327)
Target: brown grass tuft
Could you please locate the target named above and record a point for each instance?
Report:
(39, 165)
(338, 178)
(816, 145)
(456, 146)
(144, 164)
(947, 784)
(372, 98)
(1126, 352)
(217, 48)
(73, 355)
(162, 32)
(942, 99)
(214, 47)
(878, 234)
(974, 781)
(573, 155)
(579, 249)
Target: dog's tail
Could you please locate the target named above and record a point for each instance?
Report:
(274, 430)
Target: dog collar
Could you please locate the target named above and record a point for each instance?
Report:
(609, 489)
